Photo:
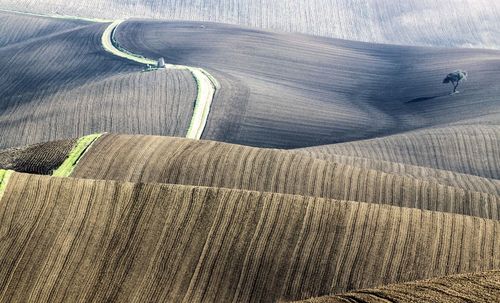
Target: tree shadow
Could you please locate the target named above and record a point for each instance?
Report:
(421, 99)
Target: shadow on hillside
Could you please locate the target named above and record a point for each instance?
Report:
(421, 99)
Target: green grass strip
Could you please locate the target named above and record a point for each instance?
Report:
(4, 178)
(206, 85)
(74, 155)
(110, 44)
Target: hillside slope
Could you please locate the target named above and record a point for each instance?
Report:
(298, 91)
(111, 241)
(447, 177)
(41, 158)
(62, 84)
(205, 163)
(328, 171)
(215, 164)
(462, 23)
(17, 28)
(469, 149)
(480, 287)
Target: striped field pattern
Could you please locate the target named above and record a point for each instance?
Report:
(464, 23)
(452, 178)
(297, 91)
(481, 287)
(62, 84)
(472, 149)
(111, 241)
(329, 170)
(29, 27)
(216, 164)
(42, 158)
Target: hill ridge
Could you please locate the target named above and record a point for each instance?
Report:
(229, 231)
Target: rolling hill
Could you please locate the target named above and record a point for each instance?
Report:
(470, 149)
(477, 287)
(18, 28)
(462, 23)
(255, 165)
(154, 159)
(297, 91)
(113, 241)
(59, 83)
(287, 91)
(183, 161)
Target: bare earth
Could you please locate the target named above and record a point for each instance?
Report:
(328, 170)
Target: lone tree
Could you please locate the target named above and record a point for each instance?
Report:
(455, 78)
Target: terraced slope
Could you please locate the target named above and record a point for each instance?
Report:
(215, 164)
(482, 287)
(111, 241)
(297, 90)
(64, 85)
(412, 22)
(470, 149)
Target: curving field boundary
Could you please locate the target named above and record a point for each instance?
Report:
(206, 83)
(81, 146)
(4, 178)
